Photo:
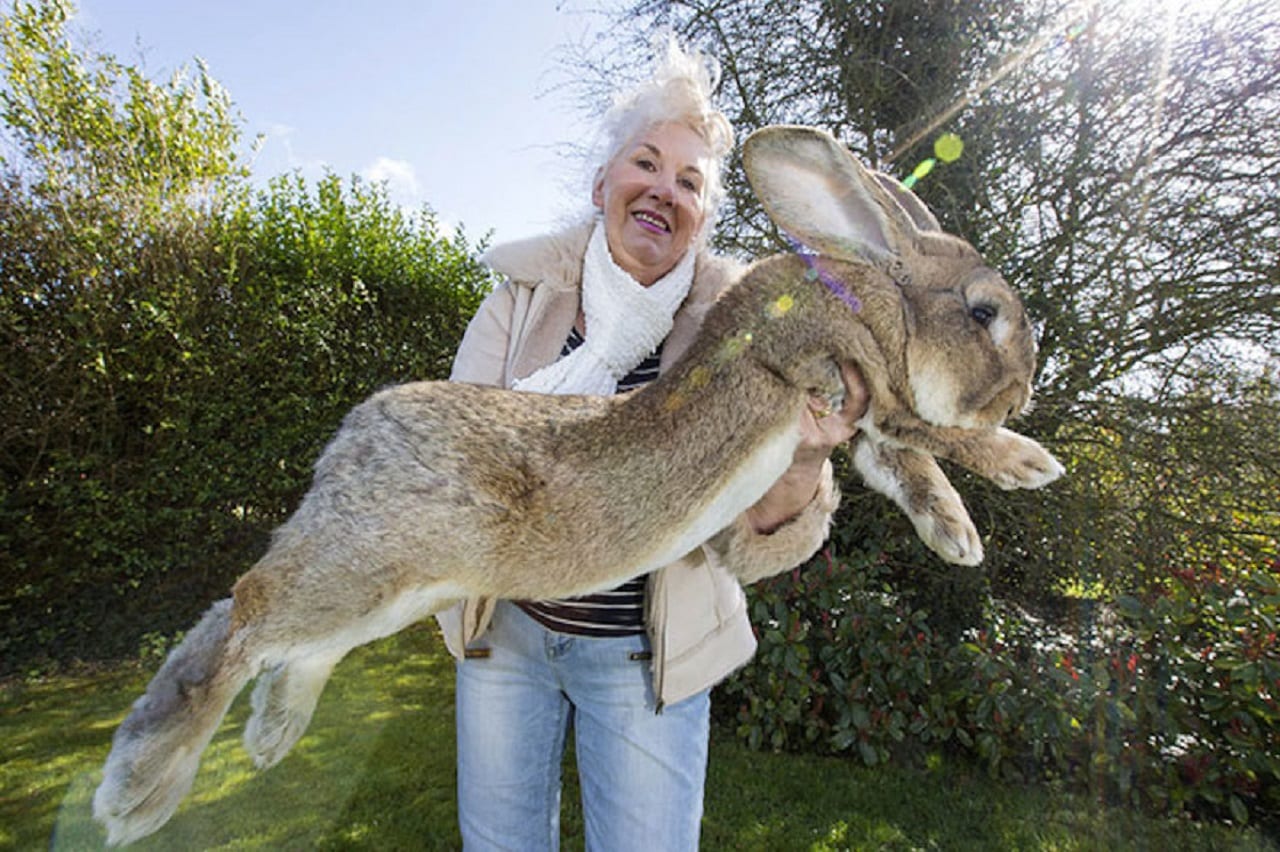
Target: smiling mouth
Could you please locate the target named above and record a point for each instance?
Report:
(651, 222)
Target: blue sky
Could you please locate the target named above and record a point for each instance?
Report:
(453, 102)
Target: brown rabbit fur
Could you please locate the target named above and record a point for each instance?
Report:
(432, 492)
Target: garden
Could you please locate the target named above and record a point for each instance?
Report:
(178, 342)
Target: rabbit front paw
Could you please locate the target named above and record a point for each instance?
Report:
(948, 531)
(1019, 462)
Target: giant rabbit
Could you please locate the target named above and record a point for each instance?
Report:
(432, 492)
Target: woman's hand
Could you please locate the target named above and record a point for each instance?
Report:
(821, 431)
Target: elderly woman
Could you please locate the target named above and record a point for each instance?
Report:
(598, 309)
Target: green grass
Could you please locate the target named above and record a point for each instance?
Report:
(375, 771)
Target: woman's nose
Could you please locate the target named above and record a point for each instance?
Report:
(663, 187)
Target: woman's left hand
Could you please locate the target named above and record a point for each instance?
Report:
(821, 431)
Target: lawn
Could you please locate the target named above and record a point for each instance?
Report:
(375, 771)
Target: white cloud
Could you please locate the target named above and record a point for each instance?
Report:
(398, 175)
(275, 154)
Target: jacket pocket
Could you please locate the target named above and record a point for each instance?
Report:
(700, 598)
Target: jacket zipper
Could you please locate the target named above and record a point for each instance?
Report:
(657, 639)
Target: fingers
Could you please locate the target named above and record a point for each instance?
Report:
(823, 428)
(820, 407)
(856, 395)
(856, 398)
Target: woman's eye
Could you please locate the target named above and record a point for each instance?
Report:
(690, 185)
(646, 164)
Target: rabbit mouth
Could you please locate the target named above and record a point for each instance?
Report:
(1007, 403)
(940, 402)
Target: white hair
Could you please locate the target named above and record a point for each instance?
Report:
(678, 92)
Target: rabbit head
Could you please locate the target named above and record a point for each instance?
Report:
(969, 350)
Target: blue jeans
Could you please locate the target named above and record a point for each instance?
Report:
(641, 772)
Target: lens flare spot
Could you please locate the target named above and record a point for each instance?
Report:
(782, 305)
(733, 346)
(948, 147)
(919, 172)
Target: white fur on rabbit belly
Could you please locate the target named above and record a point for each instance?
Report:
(754, 476)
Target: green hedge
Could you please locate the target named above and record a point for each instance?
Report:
(170, 379)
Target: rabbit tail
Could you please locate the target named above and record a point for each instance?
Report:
(156, 751)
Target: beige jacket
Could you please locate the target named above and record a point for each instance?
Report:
(697, 616)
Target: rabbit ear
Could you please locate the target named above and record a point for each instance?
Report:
(816, 191)
(922, 216)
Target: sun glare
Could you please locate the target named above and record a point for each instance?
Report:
(1092, 18)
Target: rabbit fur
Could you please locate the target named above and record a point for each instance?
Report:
(433, 492)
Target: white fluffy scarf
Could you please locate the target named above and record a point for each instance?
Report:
(625, 322)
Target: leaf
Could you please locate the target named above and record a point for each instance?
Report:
(861, 719)
(1239, 812)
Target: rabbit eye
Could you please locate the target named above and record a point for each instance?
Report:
(983, 314)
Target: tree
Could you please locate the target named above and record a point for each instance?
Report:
(1146, 240)
(85, 124)
(1121, 176)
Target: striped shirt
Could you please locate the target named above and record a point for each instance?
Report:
(614, 612)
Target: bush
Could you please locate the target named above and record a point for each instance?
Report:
(843, 665)
(1169, 702)
(170, 389)
(1205, 664)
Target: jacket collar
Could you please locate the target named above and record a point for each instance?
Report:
(555, 260)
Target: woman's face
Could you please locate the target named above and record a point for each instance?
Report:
(652, 195)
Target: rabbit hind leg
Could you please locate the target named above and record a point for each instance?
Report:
(286, 694)
(283, 701)
(156, 750)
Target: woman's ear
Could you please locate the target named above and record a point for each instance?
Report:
(597, 189)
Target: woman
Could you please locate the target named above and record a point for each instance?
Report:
(602, 308)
